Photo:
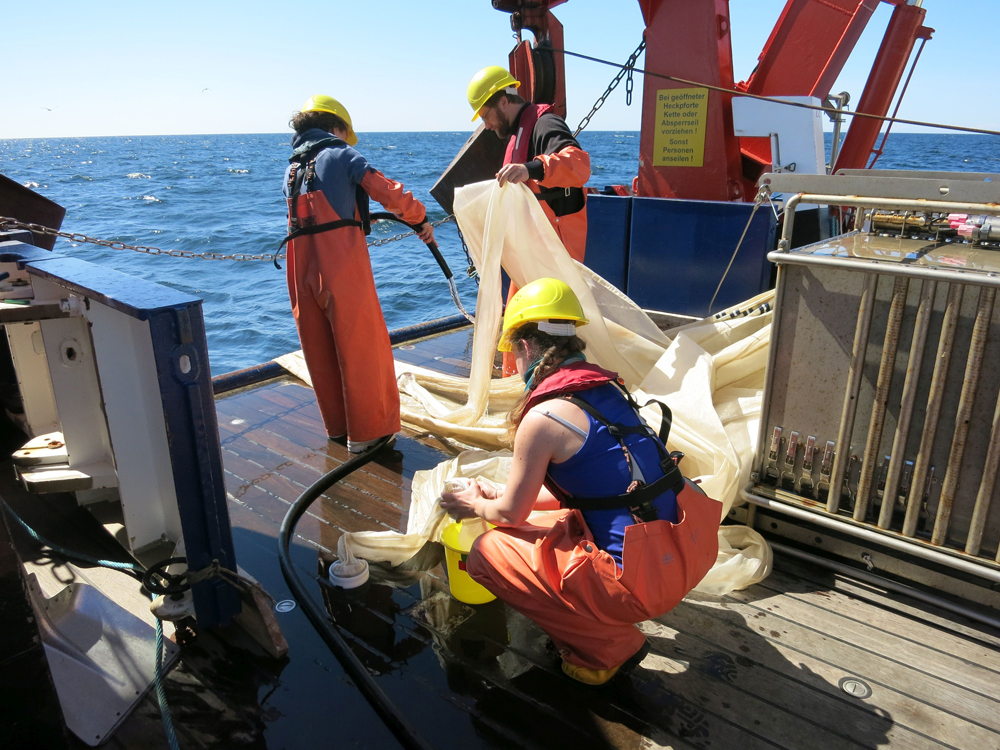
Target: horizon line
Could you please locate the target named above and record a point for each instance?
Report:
(363, 132)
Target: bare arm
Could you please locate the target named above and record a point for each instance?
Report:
(538, 441)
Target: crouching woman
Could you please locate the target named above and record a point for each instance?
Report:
(631, 537)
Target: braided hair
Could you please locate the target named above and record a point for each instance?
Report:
(550, 351)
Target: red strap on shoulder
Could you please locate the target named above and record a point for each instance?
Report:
(517, 146)
(578, 376)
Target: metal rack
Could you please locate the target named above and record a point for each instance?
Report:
(881, 416)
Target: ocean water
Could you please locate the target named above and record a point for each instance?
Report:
(222, 193)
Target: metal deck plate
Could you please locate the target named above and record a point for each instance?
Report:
(102, 659)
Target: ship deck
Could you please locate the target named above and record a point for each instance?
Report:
(767, 667)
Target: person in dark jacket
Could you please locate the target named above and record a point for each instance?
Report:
(541, 152)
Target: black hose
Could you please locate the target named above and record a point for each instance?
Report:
(432, 246)
(407, 734)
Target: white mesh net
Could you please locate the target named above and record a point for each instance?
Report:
(710, 373)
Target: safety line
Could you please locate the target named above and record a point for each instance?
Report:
(801, 105)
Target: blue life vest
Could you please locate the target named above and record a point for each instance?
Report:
(601, 468)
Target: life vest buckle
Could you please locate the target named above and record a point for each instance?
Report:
(644, 512)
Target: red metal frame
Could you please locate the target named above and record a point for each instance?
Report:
(803, 56)
(702, 53)
(805, 53)
(905, 27)
(536, 16)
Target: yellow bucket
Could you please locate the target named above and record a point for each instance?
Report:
(461, 584)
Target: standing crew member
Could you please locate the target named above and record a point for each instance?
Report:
(542, 152)
(330, 283)
(633, 538)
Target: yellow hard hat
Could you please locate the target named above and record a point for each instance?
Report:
(541, 300)
(321, 103)
(485, 84)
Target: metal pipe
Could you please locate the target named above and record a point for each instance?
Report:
(838, 123)
(850, 406)
(885, 370)
(888, 585)
(889, 268)
(920, 327)
(427, 328)
(985, 495)
(771, 356)
(935, 396)
(911, 204)
(231, 381)
(973, 366)
(785, 243)
(886, 539)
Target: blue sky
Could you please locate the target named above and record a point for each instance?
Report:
(116, 68)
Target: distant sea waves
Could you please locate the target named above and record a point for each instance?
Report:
(223, 194)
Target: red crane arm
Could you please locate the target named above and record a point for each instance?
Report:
(688, 148)
(808, 47)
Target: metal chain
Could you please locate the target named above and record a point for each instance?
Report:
(397, 237)
(7, 222)
(626, 70)
(471, 270)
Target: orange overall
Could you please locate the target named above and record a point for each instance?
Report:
(339, 320)
(551, 569)
(568, 167)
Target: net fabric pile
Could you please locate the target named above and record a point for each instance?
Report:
(710, 373)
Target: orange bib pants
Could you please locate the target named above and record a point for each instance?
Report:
(344, 339)
(552, 572)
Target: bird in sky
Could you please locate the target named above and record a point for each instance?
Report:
(204, 90)
(48, 108)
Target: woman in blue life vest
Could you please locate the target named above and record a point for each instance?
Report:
(631, 537)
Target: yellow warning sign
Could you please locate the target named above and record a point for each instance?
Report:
(679, 139)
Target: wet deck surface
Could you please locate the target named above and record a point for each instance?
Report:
(761, 668)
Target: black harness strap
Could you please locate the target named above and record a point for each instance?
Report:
(635, 500)
(552, 194)
(562, 201)
(296, 176)
(317, 228)
(640, 495)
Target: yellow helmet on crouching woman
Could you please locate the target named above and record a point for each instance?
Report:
(550, 303)
(485, 84)
(320, 103)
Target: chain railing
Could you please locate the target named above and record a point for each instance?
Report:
(626, 70)
(7, 223)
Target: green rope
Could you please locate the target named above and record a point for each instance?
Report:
(138, 570)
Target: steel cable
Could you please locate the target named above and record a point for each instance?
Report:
(802, 105)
